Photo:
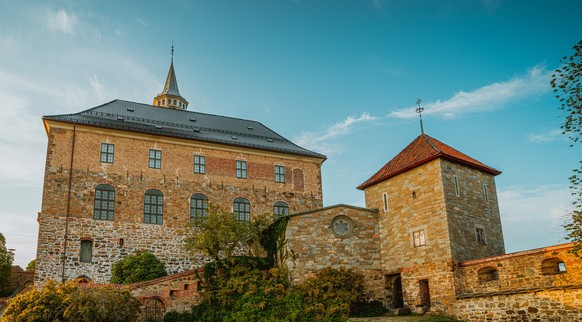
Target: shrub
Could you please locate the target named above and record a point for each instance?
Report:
(138, 267)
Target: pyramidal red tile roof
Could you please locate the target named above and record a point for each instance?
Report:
(422, 150)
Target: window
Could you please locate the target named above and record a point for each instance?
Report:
(86, 251)
(198, 206)
(487, 274)
(155, 161)
(241, 169)
(280, 208)
(199, 164)
(486, 192)
(419, 238)
(104, 206)
(456, 181)
(107, 153)
(480, 235)
(153, 207)
(242, 209)
(385, 201)
(279, 173)
(553, 266)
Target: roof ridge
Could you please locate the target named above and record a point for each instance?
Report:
(428, 139)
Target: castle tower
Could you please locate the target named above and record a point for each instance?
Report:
(170, 97)
(437, 207)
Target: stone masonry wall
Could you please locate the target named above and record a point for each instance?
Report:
(130, 176)
(312, 245)
(416, 203)
(526, 286)
(472, 209)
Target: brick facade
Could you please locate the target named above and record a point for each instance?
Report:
(131, 177)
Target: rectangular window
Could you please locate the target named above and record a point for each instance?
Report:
(419, 238)
(86, 251)
(241, 169)
(486, 192)
(155, 161)
(385, 201)
(456, 180)
(480, 235)
(279, 173)
(107, 153)
(199, 164)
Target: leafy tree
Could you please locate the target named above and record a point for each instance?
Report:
(220, 235)
(567, 84)
(71, 302)
(138, 267)
(6, 258)
(31, 266)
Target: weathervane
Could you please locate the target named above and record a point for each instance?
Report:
(419, 110)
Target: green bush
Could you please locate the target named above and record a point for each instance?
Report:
(138, 267)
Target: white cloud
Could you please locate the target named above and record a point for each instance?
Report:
(486, 98)
(141, 21)
(319, 141)
(533, 216)
(549, 136)
(61, 21)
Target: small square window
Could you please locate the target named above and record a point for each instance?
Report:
(419, 238)
(199, 164)
(155, 161)
(241, 169)
(279, 173)
(480, 235)
(107, 153)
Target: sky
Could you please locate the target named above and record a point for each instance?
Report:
(337, 77)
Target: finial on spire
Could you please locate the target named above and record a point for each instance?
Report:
(419, 110)
(172, 51)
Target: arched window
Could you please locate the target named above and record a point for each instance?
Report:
(104, 205)
(552, 266)
(86, 251)
(153, 207)
(198, 206)
(280, 208)
(487, 274)
(242, 209)
(154, 309)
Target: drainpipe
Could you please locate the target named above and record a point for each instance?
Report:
(68, 206)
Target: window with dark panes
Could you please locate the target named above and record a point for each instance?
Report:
(104, 205)
(280, 208)
(153, 207)
(155, 160)
(241, 169)
(107, 152)
(279, 173)
(242, 209)
(86, 251)
(199, 164)
(198, 206)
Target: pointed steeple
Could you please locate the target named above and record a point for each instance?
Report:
(170, 97)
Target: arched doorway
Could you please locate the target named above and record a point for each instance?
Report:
(154, 309)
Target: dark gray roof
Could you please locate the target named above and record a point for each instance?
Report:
(144, 118)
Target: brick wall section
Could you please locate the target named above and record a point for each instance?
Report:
(312, 245)
(470, 210)
(130, 176)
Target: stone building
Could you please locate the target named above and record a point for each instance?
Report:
(125, 176)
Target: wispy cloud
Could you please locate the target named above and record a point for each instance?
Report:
(486, 98)
(549, 136)
(320, 141)
(528, 211)
(141, 21)
(61, 21)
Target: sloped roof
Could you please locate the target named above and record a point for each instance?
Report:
(422, 150)
(144, 118)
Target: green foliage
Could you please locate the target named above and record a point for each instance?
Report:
(220, 234)
(31, 266)
(6, 258)
(70, 302)
(273, 239)
(138, 267)
(567, 84)
(241, 289)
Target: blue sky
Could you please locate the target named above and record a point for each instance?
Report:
(338, 77)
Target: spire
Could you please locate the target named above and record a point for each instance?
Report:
(170, 97)
(419, 110)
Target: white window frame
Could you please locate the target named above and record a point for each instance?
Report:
(419, 238)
